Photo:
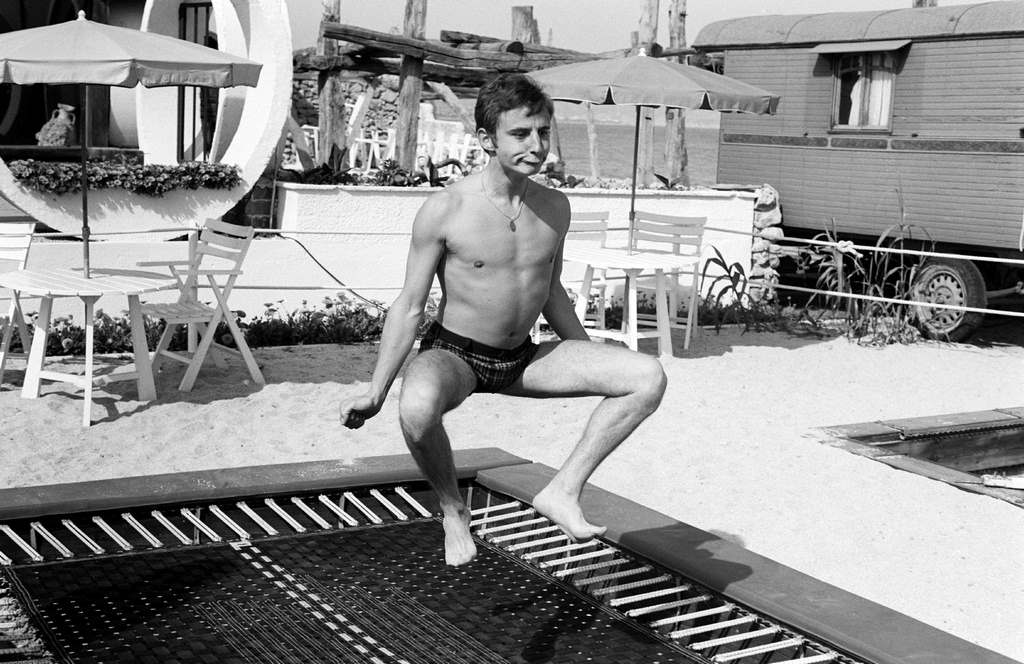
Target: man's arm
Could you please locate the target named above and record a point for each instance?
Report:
(559, 311)
(425, 251)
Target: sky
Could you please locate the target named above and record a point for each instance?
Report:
(584, 25)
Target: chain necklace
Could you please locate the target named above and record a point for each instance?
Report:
(519, 211)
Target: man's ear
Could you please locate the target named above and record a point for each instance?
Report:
(486, 140)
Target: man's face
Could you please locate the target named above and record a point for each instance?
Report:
(521, 141)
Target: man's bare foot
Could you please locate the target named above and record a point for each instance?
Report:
(459, 547)
(564, 510)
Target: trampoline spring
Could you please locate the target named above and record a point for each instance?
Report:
(287, 518)
(582, 569)
(388, 505)
(590, 555)
(229, 522)
(130, 519)
(257, 519)
(171, 528)
(420, 509)
(733, 638)
(664, 606)
(601, 578)
(495, 508)
(308, 511)
(695, 615)
(757, 650)
(342, 514)
(22, 544)
(642, 583)
(632, 599)
(374, 519)
(193, 518)
(535, 543)
(82, 537)
(525, 534)
(502, 517)
(112, 534)
(713, 627)
(813, 659)
(49, 537)
(574, 546)
(510, 526)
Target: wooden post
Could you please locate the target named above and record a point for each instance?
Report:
(331, 118)
(595, 168)
(410, 87)
(331, 14)
(675, 118)
(646, 37)
(525, 30)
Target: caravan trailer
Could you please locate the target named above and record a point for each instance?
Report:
(911, 116)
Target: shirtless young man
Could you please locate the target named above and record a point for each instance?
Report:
(494, 240)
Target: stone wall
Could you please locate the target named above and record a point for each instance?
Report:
(383, 110)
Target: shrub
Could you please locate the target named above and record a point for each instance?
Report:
(340, 321)
(149, 180)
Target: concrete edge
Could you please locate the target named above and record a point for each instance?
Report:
(862, 628)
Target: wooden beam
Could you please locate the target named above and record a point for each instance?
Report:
(410, 86)
(456, 57)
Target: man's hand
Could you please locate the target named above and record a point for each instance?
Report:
(356, 410)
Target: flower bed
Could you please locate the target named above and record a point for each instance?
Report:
(149, 180)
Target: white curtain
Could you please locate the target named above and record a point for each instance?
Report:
(879, 91)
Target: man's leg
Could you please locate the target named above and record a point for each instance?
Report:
(632, 385)
(435, 382)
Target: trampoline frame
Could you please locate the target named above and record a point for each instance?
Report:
(864, 629)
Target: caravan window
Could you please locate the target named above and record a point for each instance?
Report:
(863, 91)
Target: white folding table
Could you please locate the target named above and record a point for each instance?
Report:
(49, 284)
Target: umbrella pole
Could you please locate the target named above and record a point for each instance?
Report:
(632, 191)
(83, 138)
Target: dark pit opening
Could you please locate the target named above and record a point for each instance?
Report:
(981, 451)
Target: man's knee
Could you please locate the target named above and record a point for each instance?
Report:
(419, 409)
(649, 381)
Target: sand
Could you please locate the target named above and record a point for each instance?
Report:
(732, 450)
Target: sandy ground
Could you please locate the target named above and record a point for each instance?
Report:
(730, 451)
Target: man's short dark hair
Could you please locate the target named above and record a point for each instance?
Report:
(508, 92)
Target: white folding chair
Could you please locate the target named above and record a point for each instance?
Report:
(217, 257)
(15, 242)
(677, 235)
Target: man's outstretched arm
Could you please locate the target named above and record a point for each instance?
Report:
(425, 251)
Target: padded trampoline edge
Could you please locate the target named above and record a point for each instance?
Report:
(857, 625)
(217, 484)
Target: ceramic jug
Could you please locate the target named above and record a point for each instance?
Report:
(59, 130)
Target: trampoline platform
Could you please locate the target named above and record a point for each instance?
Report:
(318, 562)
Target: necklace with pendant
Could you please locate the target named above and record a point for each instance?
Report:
(519, 211)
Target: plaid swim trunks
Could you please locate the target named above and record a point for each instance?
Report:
(494, 368)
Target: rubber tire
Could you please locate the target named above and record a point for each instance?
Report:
(949, 281)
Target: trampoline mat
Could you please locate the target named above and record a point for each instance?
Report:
(367, 594)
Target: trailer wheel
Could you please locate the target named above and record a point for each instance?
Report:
(949, 281)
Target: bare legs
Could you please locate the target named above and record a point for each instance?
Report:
(435, 383)
(634, 385)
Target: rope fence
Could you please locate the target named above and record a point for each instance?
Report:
(841, 246)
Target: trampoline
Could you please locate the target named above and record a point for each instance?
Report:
(319, 562)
